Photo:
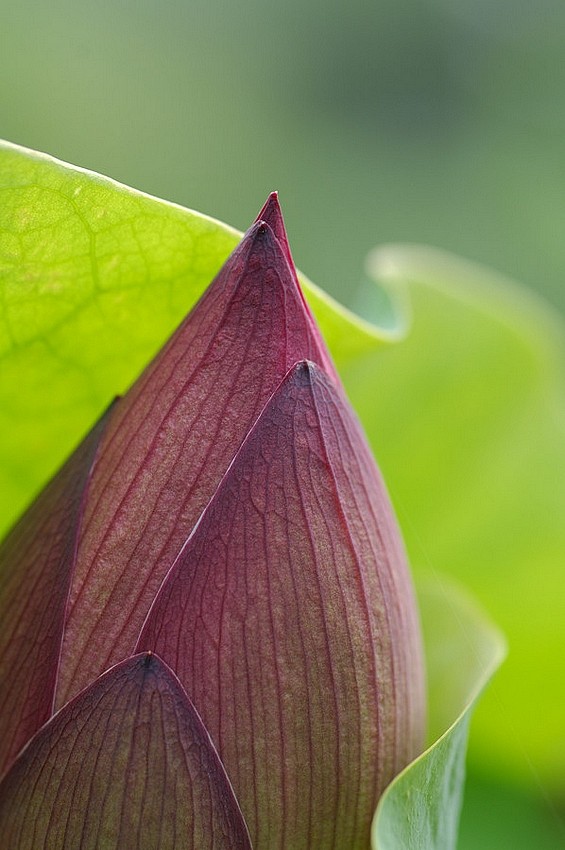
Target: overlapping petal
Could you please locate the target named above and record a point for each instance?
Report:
(36, 565)
(272, 214)
(171, 439)
(289, 618)
(126, 764)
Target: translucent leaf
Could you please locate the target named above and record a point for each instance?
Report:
(420, 809)
(467, 419)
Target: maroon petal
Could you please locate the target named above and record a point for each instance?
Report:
(170, 441)
(272, 214)
(290, 619)
(126, 764)
(36, 564)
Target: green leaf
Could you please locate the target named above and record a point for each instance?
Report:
(93, 277)
(467, 420)
(420, 809)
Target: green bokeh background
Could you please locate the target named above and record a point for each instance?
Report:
(435, 121)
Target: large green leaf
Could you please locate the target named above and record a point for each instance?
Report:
(93, 278)
(420, 809)
(467, 419)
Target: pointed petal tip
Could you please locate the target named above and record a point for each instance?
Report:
(271, 209)
(144, 660)
(304, 370)
(305, 373)
(260, 241)
(271, 212)
(267, 236)
(310, 383)
(260, 232)
(261, 227)
(148, 659)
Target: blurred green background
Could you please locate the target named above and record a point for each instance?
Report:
(435, 121)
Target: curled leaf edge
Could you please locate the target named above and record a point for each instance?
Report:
(463, 600)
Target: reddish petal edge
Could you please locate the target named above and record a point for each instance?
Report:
(127, 763)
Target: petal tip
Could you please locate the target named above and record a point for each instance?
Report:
(271, 210)
(147, 659)
(306, 373)
(259, 234)
(271, 213)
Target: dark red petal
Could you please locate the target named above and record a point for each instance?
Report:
(170, 441)
(290, 619)
(272, 214)
(127, 765)
(36, 564)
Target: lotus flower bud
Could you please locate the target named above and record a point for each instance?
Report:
(213, 591)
